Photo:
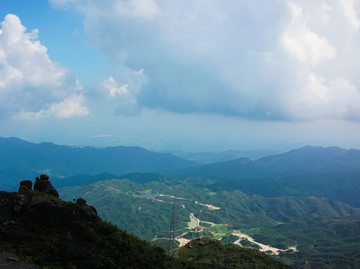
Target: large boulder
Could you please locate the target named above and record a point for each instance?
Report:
(87, 211)
(25, 185)
(43, 184)
(81, 201)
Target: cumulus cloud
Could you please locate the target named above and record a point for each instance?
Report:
(319, 98)
(31, 84)
(303, 43)
(143, 9)
(284, 60)
(123, 97)
(350, 13)
(114, 90)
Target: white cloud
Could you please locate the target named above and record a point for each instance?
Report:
(324, 15)
(70, 107)
(304, 44)
(112, 87)
(242, 58)
(143, 9)
(350, 13)
(322, 99)
(124, 97)
(31, 84)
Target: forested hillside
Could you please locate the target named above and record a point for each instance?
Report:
(49, 233)
(298, 230)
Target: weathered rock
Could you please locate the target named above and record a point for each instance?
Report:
(60, 204)
(25, 185)
(81, 201)
(88, 212)
(197, 242)
(43, 184)
(40, 205)
(44, 177)
(20, 203)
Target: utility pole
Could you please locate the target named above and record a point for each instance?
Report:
(172, 242)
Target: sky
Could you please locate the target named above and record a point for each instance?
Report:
(199, 75)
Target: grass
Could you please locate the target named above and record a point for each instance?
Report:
(251, 231)
(192, 223)
(219, 229)
(208, 222)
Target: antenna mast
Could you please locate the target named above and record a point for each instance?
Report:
(172, 242)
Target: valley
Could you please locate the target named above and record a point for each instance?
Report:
(195, 227)
(219, 231)
(293, 229)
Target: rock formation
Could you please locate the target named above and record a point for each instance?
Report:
(34, 204)
(25, 185)
(43, 184)
(87, 211)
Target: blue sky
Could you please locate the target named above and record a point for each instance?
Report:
(181, 75)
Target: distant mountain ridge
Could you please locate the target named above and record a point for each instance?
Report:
(314, 159)
(303, 160)
(20, 159)
(331, 172)
(222, 156)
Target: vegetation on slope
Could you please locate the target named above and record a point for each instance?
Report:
(321, 229)
(207, 251)
(51, 233)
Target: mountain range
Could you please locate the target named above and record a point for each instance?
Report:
(331, 172)
(222, 156)
(302, 204)
(20, 159)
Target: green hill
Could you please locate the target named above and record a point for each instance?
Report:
(321, 229)
(53, 234)
(207, 251)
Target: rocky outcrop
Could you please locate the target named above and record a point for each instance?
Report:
(29, 205)
(81, 201)
(86, 211)
(36, 204)
(43, 184)
(23, 204)
(197, 242)
(25, 185)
